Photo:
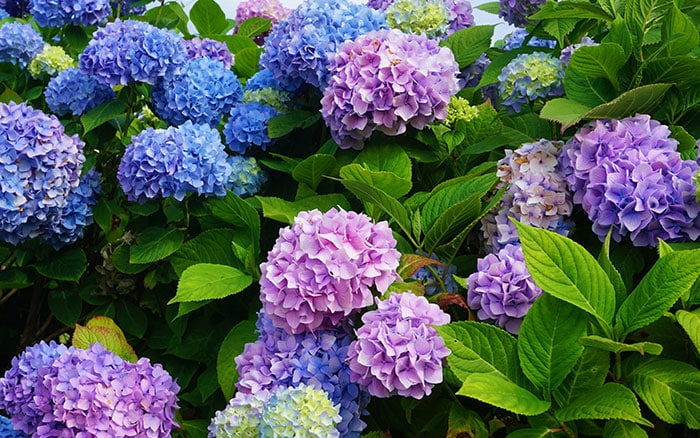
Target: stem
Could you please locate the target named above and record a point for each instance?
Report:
(618, 366)
(567, 430)
(7, 296)
(160, 11)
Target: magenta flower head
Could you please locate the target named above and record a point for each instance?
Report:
(397, 352)
(322, 269)
(502, 288)
(629, 177)
(208, 48)
(385, 81)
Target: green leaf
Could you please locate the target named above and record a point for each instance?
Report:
(101, 114)
(247, 63)
(606, 344)
(671, 389)
(463, 422)
(531, 432)
(207, 383)
(253, 26)
(612, 272)
(211, 246)
(619, 33)
(232, 346)
(509, 396)
(587, 90)
(678, 70)
(103, 330)
(623, 429)
(669, 278)
(490, 7)
(237, 43)
(389, 205)
(14, 278)
(601, 61)
(559, 28)
(690, 321)
(451, 192)
(564, 269)
(643, 15)
(611, 401)
(155, 243)
(131, 318)
(455, 219)
(571, 9)
(547, 342)
(67, 265)
(189, 307)
(312, 169)
(563, 110)
(208, 18)
(588, 374)
(283, 124)
(65, 305)
(468, 44)
(680, 33)
(235, 211)
(285, 211)
(120, 260)
(686, 142)
(388, 182)
(9, 95)
(385, 157)
(637, 100)
(207, 281)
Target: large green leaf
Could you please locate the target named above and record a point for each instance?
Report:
(588, 90)
(572, 9)
(386, 181)
(588, 374)
(602, 61)
(462, 421)
(563, 110)
(208, 17)
(690, 321)
(131, 318)
(451, 192)
(623, 429)
(643, 15)
(679, 31)
(285, 211)
(206, 281)
(247, 65)
(232, 346)
(454, 219)
(311, 170)
(611, 401)
(155, 243)
(669, 278)
(468, 44)
(67, 265)
(211, 246)
(253, 26)
(559, 28)
(502, 393)
(637, 100)
(103, 330)
(386, 157)
(101, 114)
(65, 305)
(381, 199)
(606, 344)
(283, 124)
(547, 341)
(678, 70)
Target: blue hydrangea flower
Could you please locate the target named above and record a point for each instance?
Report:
(174, 162)
(516, 39)
(202, 91)
(3, 14)
(297, 49)
(264, 78)
(246, 176)
(73, 92)
(529, 77)
(7, 431)
(19, 43)
(434, 285)
(58, 13)
(129, 50)
(516, 12)
(247, 127)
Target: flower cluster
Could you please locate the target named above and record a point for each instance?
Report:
(629, 177)
(39, 167)
(536, 194)
(240, 418)
(459, 109)
(321, 269)
(174, 162)
(202, 92)
(516, 12)
(299, 411)
(460, 15)
(471, 74)
(429, 17)
(19, 43)
(207, 48)
(51, 61)
(58, 13)
(6, 429)
(126, 7)
(567, 51)
(297, 48)
(246, 176)
(397, 352)
(263, 88)
(502, 289)
(130, 50)
(273, 10)
(73, 92)
(384, 81)
(529, 77)
(444, 280)
(247, 126)
(516, 39)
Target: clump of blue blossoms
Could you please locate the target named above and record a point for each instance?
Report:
(246, 176)
(174, 162)
(444, 282)
(247, 126)
(3, 14)
(19, 43)
(6, 429)
(126, 51)
(202, 91)
(297, 49)
(73, 92)
(516, 39)
(516, 12)
(58, 13)
(529, 77)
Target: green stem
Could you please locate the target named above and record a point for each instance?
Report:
(618, 366)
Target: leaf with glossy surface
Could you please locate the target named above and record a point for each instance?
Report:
(468, 44)
(235, 211)
(588, 374)
(611, 401)
(690, 321)
(103, 330)
(451, 192)
(623, 429)
(207, 281)
(508, 396)
(211, 246)
(254, 26)
(563, 110)
(208, 18)
(283, 124)
(454, 219)
(606, 344)
(65, 305)
(155, 243)
(102, 114)
(388, 182)
(132, 319)
(311, 170)
(285, 211)
(612, 272)
(386, 203)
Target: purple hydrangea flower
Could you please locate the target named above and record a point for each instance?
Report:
(516, 39)
(246, 176)
(73, 92)
(444, 281)
(321, 269)
(207, 48)
(529, 77)
(569, 50)
(470, 76)
(39, 167)
(536, 194)
(19, 43)
(397, 352)
(297, 49)
(629, 177)
(129, 50)
(379, 5)
(202, 91)
(174, 162)
(247, 126)
(384, 81)
(7, 431)
(516, 12)
(502, 288)
(460, 15)
(58, 13)
(272, 10)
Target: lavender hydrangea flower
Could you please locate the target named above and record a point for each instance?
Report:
(7, 431)
(429, 17)
(433, 285)
(73, 92)
(272, 10)
(384, 81)
(397, 352)
(202, 91)
(39, 166)
(460, 15)
(57, 13)
(299, 411)
(502, 289)
(207, 48)
(129, 50)
(19, 43)
(297, 49)
(241, 418)
(18, 387)
(174, 162)
(529, 77)
(321, 269)
(536, 194)
(516, 39)
(379, 5)
(51, 61)
(516, 12)
(247, 127)
(569, 50)
(629, 177)
(246, 176)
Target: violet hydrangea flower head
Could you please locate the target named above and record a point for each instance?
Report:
(384, 81)
(7, 430)
(516, 12)
(397, 352)
(470, 76)
(174, 162)
(208, 48)
(19, 43)
(202, 92)
(299, 411)
(246, 176)
(322, 268)
(246, 127)
(18, 387)
(240, 418)
(74, 92)
(502, 289)
(529, 77)
(125, 51)
(429, 17)
(516, 39)
(460, 15)
(297, 48)
(536, 194)
(629, 177)
(58, 13)
(567, 51)
(380, 5)
(272, 10)
(51, 61)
